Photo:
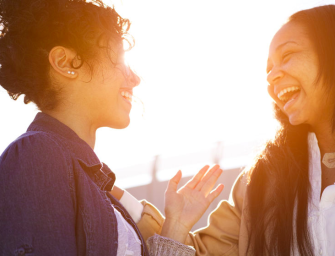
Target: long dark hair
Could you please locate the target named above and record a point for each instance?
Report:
(279, 188)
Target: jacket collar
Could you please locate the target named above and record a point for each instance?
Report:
(99, 172)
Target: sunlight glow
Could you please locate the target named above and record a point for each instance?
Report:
(202, 65)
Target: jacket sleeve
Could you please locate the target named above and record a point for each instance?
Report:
(159, 245)
(151, 221)
(37, 215)
(220, 237)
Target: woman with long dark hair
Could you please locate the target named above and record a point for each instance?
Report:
(66, 56)
(284, 204)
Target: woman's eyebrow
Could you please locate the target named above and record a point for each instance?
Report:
(285, 43)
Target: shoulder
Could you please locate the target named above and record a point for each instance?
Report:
(238, 190)
(37, 195)
(32, 144)
(34, 154)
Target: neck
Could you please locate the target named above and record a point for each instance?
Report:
(326, 138)
(78, 122)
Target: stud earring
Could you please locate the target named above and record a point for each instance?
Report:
(71, 72)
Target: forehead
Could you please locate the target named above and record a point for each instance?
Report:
(291, 32)
(111, 43)
(110, 49)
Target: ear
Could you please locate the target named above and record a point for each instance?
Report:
(60, 59)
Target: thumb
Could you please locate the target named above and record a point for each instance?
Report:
(173, 183)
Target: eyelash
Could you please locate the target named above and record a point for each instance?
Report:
(284, 58)
(285, 55)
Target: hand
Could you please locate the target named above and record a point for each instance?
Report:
(183, 208)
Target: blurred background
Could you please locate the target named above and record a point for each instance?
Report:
(203, 92)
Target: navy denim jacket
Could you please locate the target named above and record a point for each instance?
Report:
(53, 195)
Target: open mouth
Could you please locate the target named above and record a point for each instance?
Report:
(288, 94)
(128, 96)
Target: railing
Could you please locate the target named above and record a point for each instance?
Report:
(149, 180)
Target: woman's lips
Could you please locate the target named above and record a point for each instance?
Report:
(286, 93)
(127, 96)
(291, 101)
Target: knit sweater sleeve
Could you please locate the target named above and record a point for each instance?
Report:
(162, 246)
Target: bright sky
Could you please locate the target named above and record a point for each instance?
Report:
(202, 65)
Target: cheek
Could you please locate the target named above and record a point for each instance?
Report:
(305, 68)
(294, 68)
(303, 74)
(110, 85)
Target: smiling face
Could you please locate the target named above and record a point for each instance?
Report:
(292, 71)
(109, 89)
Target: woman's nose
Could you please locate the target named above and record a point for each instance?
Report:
(133, 79)
(274, 75)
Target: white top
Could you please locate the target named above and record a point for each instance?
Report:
(130, 244)
(128, 241)
(134, 207)
(321, 213)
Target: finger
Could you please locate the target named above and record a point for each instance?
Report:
(208, 175)
(192, 183)
(173, 183)
(210, 183)
(215, 193)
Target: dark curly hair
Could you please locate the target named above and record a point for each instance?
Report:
(31, 28)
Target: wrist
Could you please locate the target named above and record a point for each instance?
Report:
(175, 230)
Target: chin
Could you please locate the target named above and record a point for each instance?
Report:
(295, 120)
(116, 121)
(120, 125)
(123, 126)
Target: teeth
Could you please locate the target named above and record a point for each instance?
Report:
(286, 90)
(127, 95)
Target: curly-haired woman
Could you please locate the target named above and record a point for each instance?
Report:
(284, 204)
(66, 56)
